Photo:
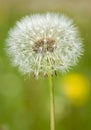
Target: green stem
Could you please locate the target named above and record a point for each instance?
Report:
(52, 104)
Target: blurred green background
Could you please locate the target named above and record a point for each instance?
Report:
(24, 103)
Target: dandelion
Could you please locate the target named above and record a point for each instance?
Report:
(42, 45)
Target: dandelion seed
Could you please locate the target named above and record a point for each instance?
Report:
(44, 44)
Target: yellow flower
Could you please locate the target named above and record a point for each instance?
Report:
(75, 87)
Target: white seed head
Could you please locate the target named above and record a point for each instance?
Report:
(44, 43)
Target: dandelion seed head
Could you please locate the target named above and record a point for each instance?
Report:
(44, 43)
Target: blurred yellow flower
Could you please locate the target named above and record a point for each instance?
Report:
(76, 88)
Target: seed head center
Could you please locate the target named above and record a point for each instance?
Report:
(44, 45)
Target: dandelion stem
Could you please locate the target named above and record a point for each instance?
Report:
(52, 104)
